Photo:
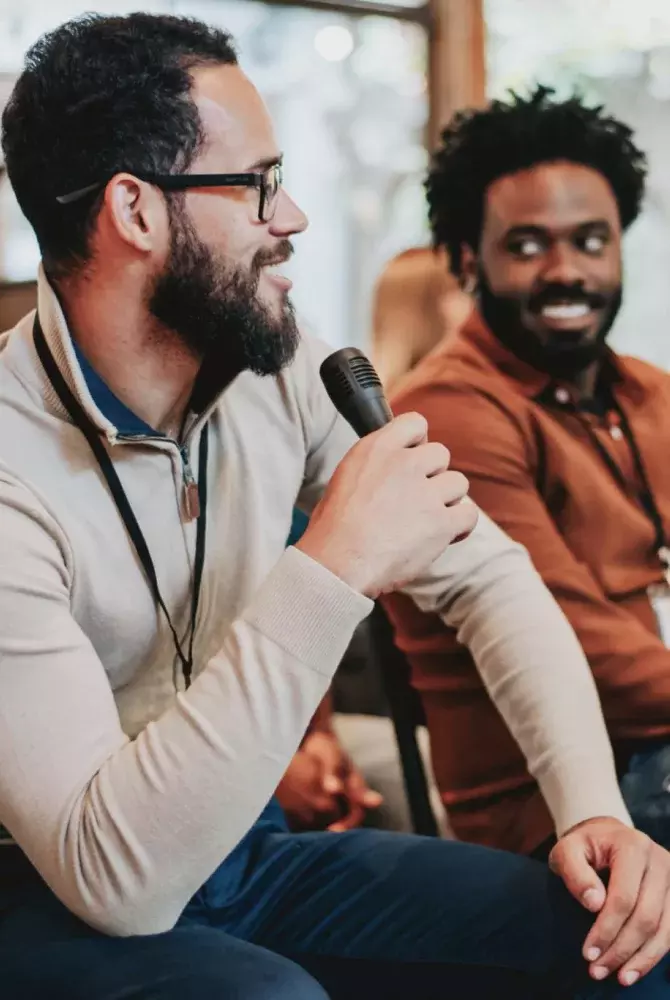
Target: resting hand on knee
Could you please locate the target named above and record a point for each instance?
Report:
(632, 931)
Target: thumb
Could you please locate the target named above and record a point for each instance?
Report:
(331, 783)
(371, 799)
(358, 790)
(570, 860)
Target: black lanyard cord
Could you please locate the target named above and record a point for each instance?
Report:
(645, 496)
(88, 429)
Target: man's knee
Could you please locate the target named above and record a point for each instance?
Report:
(189, 963)
(209, 965)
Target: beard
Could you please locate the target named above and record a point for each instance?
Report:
(214, 309)
(560, 358)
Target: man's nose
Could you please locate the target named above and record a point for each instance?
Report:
(288, 219)
(562, 265)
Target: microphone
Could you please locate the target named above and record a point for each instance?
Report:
(356, 390)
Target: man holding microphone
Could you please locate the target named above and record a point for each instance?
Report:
(161, 655)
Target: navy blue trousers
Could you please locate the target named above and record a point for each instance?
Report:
(351, 916)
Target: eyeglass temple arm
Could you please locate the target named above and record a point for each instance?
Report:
(67, 199)
(172, 181)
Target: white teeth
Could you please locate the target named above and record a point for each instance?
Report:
(573, 311)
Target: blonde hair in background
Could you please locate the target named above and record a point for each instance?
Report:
(416, 303)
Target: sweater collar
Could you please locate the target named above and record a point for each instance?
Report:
(106, 411)
(115, 410)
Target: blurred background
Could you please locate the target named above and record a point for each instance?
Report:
(359, 90)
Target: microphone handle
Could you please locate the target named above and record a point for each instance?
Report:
(366, 410)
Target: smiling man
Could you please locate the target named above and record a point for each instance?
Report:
(563, 441)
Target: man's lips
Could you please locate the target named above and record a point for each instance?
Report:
(278, 279)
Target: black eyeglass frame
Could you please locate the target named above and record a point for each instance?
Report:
(268, 190)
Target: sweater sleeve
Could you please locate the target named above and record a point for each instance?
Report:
(533, 668)
(110, 823)
(524, 647)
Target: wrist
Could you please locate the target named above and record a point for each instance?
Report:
(591, 821)
(318, 727)
(343, 564)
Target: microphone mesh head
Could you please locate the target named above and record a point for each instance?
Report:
(346, 372)
(337, 379)
(364, 373)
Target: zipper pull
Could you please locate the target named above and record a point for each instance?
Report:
(191, 493)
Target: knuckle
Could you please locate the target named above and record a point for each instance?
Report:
(557, 856)
(462, 521)
(647, 924)
(622, 902)
(468, 516)
(432, 453)
(416, 420)
(636, 843)
(458, 484)
(455, 503)
(465, 483)
(659, 856)
(608, 927)
(616, 956)
(442, 453)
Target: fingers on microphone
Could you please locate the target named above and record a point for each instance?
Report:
(452, 487)
(463, 519)
(431, 458)
(407, 430)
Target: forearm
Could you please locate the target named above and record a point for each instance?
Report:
(539, 680)
(126, 832)
(534, 669)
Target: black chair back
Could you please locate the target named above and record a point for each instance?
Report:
(407, 715)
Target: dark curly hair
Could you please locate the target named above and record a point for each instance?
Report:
(480, 146)
(97, 96)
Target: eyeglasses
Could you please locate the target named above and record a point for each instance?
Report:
(268, 182)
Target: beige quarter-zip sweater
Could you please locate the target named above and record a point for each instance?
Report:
(126, 793)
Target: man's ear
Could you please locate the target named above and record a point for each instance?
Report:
(136, 212)
(469, 270)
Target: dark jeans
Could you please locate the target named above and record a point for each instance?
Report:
(350, 916)
(646, 788)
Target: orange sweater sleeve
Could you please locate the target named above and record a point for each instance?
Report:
(490, 445)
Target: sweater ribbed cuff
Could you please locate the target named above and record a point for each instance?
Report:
(577, 790)
(308, 611)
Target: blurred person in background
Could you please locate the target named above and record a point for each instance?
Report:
(416, 303)
(565, 445)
